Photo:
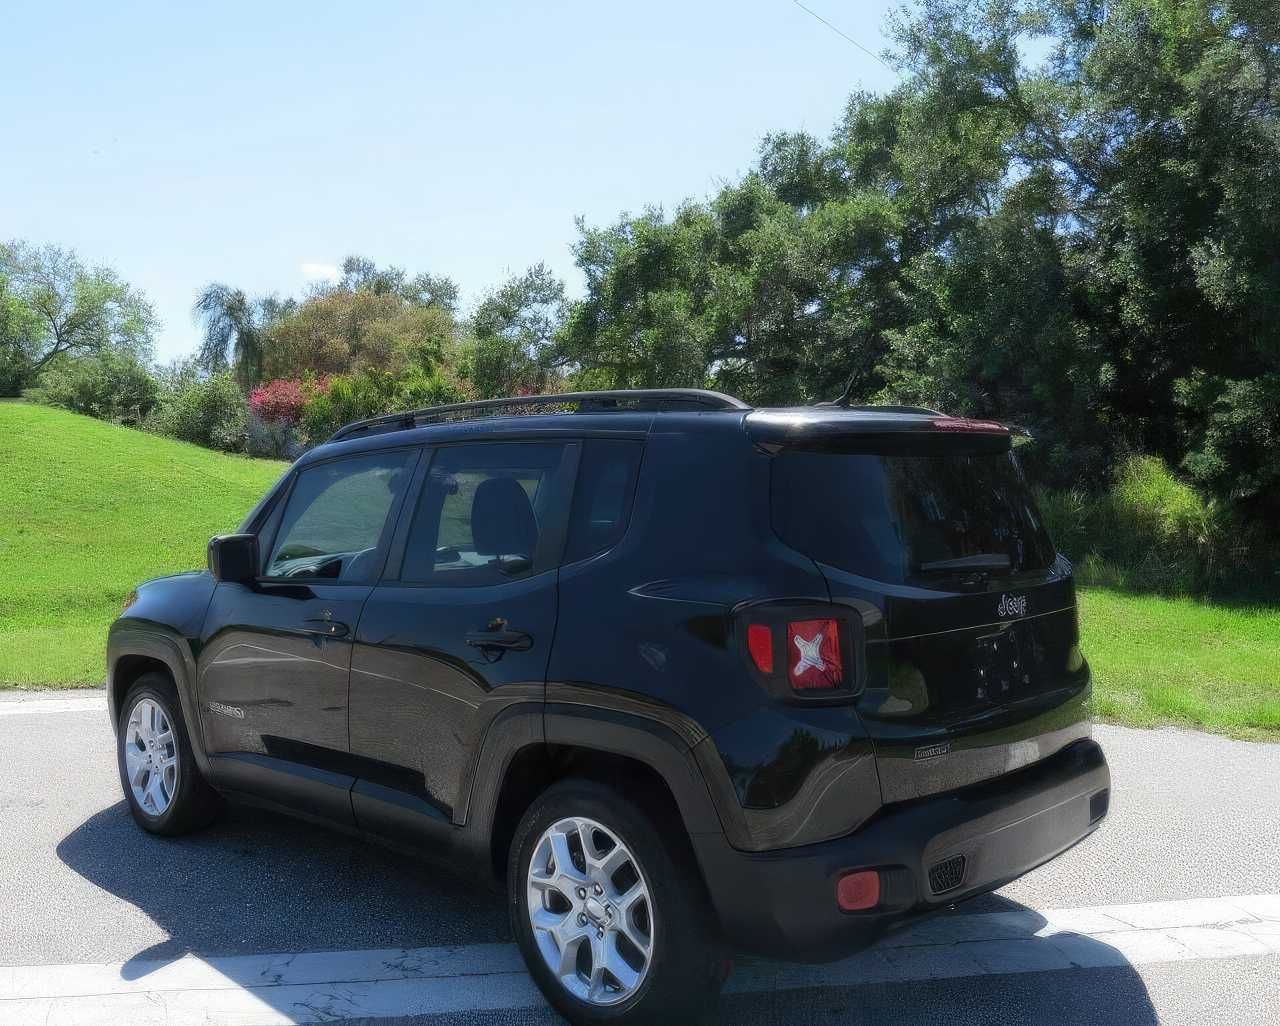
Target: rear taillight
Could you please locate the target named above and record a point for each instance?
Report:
(760, 645)
(814, 659)
(806, 656)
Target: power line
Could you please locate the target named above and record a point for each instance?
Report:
(837, 31)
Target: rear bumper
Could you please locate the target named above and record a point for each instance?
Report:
(783, 903)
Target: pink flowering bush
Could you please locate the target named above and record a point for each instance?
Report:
(282, 400)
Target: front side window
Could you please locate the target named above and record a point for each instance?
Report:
(484, 513)
(336, 515)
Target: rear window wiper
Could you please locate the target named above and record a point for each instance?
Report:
(978, 562)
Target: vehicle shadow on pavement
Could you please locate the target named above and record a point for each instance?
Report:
(256, 882)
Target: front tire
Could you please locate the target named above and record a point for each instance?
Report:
(610, 917)
(161, 781)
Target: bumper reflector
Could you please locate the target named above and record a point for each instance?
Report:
(858, 891)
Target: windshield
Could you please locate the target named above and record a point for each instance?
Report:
(910, 519)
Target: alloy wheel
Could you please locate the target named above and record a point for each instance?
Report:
(151, 757)
(591, 912)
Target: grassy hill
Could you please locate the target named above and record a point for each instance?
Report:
(87, 510)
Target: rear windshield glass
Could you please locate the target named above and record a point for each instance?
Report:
(909, 519)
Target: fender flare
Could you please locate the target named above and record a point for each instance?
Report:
(634, 735)
(174, 652)
(648, 741)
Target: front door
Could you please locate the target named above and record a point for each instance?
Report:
(274, 666)
(460, 627)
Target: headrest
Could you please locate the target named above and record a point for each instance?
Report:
(502, 520)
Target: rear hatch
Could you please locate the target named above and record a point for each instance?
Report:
(926, 525)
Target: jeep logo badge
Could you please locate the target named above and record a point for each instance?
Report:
(1012, 605)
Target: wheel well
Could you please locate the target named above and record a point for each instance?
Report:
(536, 768)
(129, 668)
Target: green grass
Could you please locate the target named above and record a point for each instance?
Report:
(87, 510)
(1182, 661)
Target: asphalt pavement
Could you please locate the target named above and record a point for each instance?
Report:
(263, 920)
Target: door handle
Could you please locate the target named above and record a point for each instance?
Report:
(326, 628)
(516, 641)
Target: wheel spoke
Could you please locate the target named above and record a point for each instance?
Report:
(155, 793)
(618, 966)
(608, 864)
(643, 942)
(587, 837)
(137, 770)
(565, 869)
(545, 919)
(626, 901)
(596, 985)
(568, 965)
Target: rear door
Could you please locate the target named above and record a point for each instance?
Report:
(973, 662)
(460, 627)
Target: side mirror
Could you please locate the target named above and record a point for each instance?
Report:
(234, 557)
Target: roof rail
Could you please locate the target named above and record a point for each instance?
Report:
(581, 402)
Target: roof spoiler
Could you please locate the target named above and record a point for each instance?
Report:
(833, 426)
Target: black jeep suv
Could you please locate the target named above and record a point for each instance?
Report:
(691, 677)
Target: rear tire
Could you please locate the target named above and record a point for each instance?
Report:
(633, 904)
(162, 783)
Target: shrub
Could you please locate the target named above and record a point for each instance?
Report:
(283, 399)
(1234, 450)
(271, 439)
(369, 394)
(208, 411)
(1149, 531)
(108, 386)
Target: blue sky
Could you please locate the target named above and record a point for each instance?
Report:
(259, 143)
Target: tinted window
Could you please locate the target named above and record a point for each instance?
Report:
(602, 500)
(909, 519)
(335, 517)
(484, 513)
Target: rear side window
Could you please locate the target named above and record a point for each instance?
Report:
(602, 500)
(907, 518)
(336, 515)
(484, 514)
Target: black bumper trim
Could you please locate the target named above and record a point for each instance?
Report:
(782, 903)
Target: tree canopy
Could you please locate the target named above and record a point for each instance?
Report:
(52, 305)
(1065, 215)
(1086, 243)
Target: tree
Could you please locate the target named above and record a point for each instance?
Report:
(20, 340)
(371, 317)
(235, 330)
(359, 274)
(1087, 245)
(513, 327)
(339, 331)
(53, 305)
